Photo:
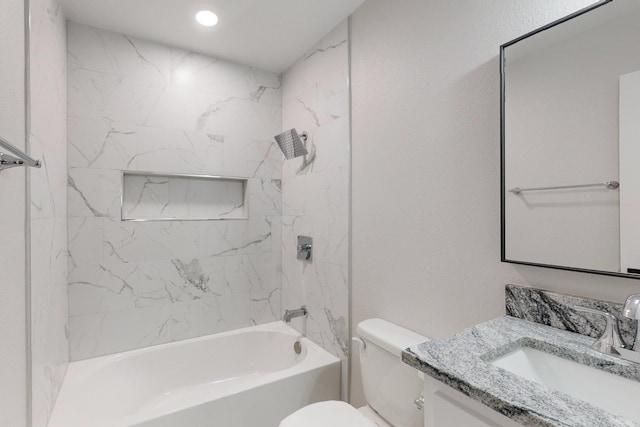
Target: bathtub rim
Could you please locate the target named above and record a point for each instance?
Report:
(277, 326)
(316, 358)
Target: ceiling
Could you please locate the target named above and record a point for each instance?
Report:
(267, 34)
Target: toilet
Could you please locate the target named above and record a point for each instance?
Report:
(390, 386)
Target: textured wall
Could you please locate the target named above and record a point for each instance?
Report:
(426, 165)
(137, 105)
(13, 292)
(48, 142)
(315, 192)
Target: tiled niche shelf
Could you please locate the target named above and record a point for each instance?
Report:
(151, 196)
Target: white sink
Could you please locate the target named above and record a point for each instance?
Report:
(609, 392)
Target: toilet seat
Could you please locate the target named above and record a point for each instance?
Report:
(323, 414)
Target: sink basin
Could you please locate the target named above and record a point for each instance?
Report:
(609, 392)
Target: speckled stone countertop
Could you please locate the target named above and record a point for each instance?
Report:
(462, 362)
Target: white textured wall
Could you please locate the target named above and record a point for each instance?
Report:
(48, 142)
(138, 105)
(562, 129)
(13, 318)
(426, 165)
(315, 190)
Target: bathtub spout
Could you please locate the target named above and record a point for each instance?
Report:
(290, 314)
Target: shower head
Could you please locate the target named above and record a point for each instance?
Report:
(292, 144)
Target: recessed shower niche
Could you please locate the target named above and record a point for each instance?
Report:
(164, 197)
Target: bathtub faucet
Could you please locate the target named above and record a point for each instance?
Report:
(290, 314)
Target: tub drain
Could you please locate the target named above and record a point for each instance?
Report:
(297, 347)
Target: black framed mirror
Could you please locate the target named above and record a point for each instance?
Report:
(570, 118)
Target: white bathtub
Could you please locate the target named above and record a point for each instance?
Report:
(250, 377)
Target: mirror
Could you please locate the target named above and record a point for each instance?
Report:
(571, 143)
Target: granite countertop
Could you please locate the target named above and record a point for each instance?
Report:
(462, 363)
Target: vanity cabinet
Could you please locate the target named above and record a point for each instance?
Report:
(446, 407)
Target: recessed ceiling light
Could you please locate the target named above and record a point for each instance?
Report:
(207, 18)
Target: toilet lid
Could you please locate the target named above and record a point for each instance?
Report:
(323, 414)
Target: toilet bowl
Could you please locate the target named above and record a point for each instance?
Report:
(390, 386)
(324, 414)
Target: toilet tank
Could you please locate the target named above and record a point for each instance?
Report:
(390, 386)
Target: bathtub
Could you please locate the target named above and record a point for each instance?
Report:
(250, 377)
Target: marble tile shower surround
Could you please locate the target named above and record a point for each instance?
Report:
(556, 310)
(315, 192)
(48, 209)
(141, 106)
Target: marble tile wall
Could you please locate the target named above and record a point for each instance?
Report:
(141, 106)
(315, 192)
(48, 209)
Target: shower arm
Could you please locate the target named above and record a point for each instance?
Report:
(16, 158)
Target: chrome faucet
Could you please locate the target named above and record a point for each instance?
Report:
(610, 342)
(631, 310)
(290, 314)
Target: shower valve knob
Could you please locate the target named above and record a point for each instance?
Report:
(305, 248)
